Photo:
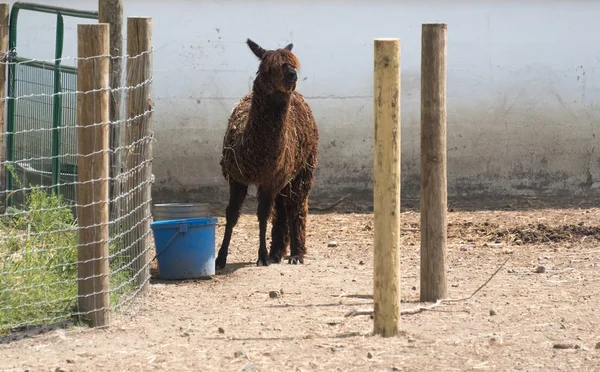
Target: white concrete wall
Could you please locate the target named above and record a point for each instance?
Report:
(523, 87)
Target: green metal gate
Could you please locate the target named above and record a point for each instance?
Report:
(41, 114)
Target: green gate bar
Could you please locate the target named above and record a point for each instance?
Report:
(57, 99)
(57, 112)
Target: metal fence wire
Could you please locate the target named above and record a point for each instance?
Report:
(40, 245)
(34, 150)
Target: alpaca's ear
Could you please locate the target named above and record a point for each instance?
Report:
(255, 48)
(289, 46)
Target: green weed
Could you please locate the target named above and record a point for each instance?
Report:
(38, 263)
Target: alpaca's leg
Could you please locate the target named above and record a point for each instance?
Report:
(297, 217)
(237, 195)
(280, 236)
(297, 214)
(265, 203)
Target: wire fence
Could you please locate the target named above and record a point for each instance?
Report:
(68, 247)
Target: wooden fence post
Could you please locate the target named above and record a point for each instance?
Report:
(93, 175)
(139, 102)
(4, 30)
(433, 163)
(387, 188)
(111, 12)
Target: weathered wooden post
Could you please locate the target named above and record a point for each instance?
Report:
(387, 188)
(433, 163)
(93, 172)
(111, 12)
(139, 103)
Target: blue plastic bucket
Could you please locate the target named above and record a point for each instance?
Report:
(185, 249)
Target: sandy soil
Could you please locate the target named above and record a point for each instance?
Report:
(231, 323)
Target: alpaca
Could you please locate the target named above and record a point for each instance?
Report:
(271, 142)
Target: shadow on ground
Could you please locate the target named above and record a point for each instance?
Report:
(230, 268)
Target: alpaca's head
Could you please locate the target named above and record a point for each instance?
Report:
(277, 69)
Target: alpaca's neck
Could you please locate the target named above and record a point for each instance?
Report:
(268, 112)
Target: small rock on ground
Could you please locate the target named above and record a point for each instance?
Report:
(274, 294)
(496, 341)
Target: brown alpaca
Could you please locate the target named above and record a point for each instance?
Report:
(271, 142)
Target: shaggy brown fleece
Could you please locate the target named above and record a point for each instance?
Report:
(271, 141)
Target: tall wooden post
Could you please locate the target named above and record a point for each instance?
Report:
(139, 102)
(111, 12)
(93, 164)
(433, 163)
(387, 187)
(4, 29)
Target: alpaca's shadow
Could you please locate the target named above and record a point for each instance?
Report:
(159, 280)
(230, 268)
(233, 267)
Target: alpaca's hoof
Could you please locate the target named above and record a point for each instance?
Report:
(264, 261)
(274, 259)
(296, 260)
(220, 263)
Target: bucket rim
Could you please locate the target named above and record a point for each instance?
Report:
(180, 204)
(168, 224)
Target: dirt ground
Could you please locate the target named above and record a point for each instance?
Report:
(540, 312)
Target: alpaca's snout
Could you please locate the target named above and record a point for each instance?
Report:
(291, 76)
